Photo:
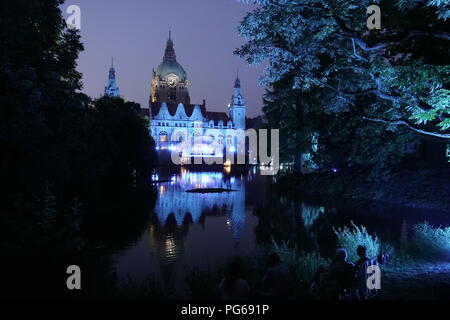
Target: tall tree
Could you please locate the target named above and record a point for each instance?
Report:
(49, 131)
(402, 72)
(339, 139)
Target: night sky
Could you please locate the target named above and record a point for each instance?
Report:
(134, 32)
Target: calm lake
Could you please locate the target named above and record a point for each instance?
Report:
(189, 230)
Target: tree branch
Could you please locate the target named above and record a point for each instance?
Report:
(404, 123)
(403, 36)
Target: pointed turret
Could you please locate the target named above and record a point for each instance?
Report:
(169, 53)
(237, 106)
(111, 89)
(237, 98)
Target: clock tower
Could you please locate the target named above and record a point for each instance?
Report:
(237, 106)
(169, 81)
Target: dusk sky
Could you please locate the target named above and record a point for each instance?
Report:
(134, 32)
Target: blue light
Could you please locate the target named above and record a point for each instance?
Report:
(334, 170)
(232, 149)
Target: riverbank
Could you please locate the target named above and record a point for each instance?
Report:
(424, 281)
(419, 189)
(399, 281)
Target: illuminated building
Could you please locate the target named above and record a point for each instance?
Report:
(173, 119)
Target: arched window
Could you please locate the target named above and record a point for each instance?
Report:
(163, 136)
(179, 136)
(220, 140)
(229, 140)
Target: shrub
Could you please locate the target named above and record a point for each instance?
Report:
(430, 242)
(350, 239)
(302, 265)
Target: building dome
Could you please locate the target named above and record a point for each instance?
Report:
(169, 80)
(171, 66)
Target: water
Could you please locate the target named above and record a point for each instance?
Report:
(189, 230)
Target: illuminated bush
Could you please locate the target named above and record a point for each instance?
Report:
(428, 241)
(302, 265)
(350, 239)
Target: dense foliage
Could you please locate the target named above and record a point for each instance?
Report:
(350, 239)
(430, 242)
(335, 139)
(396, 76)
(49, 131)
(73, 171)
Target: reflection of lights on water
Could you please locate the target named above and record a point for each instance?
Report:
(174, 199)
(228, 223)
(205, 179)
(170, 246)
(200, 179)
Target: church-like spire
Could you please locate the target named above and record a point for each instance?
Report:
(237, 98)
(169, 53)
(237, 83)
(112, 72)
(237, 106)
(111, 89)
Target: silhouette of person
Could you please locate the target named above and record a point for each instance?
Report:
(341, 275)
(232, 287)
(277, 279)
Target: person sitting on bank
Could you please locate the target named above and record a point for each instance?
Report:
(277, 280)
(341, 275)
(361, 275)
(232, 287)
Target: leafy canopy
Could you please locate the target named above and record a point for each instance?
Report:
(403, 69)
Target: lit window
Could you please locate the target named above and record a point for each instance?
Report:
(163, 136)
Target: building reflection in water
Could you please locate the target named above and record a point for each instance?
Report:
(177, 210)
(174, 200)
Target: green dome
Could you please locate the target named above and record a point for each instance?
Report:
(171, 66)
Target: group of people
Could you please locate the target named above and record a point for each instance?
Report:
(341, 280)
